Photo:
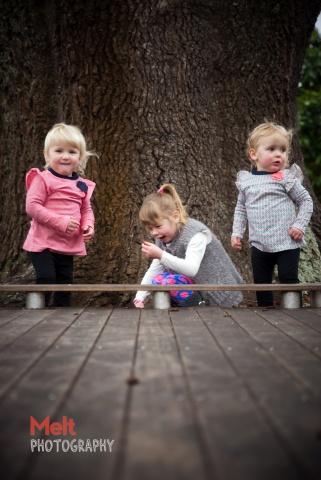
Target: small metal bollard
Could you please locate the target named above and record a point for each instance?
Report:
(315, 298)
(291, 299)
(161, 300)
(35, 300)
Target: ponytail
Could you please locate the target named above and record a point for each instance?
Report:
(169, 189)
(162, 205)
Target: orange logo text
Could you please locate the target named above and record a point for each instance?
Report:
(55, 428)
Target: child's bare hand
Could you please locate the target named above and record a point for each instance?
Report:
(139, 304)
(88, 234)
(73, 225)
(151, 251)
(236, 243)
(296, 234)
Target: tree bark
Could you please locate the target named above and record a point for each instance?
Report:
(164, 91)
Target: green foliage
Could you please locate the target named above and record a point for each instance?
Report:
(309, 112)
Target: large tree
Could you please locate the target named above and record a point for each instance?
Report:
(164, 90)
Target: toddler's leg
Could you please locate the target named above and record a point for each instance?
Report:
(168, 278)
(64, 275)
(263, 267)
(288, 266)
(43, 263)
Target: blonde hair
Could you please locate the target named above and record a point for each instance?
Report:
(71, 135)
(265, 130)
(162, 204)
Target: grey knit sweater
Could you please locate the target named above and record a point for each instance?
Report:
(216, 266)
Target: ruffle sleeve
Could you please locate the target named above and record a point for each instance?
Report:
(292, 175)
(31, 176)
(240, 178)
(296, 170)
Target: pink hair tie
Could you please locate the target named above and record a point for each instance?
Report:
(160, 191)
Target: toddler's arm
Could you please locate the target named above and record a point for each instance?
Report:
(151, 251)
(194, 254)
(239, 223)
(87, 216)
(154, 268)
(296, 234)
(73, 225)
(236, 243)
(88, 234)
(302, 199)
(35, 201)
(139, 303)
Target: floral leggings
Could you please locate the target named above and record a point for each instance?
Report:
(170, 278)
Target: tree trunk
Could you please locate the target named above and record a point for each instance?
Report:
(164, 91)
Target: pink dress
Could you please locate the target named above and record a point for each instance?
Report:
(51, 201)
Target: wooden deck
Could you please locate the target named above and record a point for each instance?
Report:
(206, 394)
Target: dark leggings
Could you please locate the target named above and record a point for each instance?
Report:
(53, 268)
(263, 264)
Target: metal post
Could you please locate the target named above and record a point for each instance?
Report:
(315, 298)
(290, 299)
(35, 300)
(161, 300)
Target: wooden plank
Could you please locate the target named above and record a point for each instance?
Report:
(308, 316)
(301, 363)
(162, 435)
(241, 443)
(157, 288)
(293, 416)
(44, 388)
(316, 311)
(6, 315)
(301, 333)
(27, 349)
(20, 325)
(98, 404)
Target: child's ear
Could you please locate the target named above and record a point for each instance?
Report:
(176, 216)
(252, 154)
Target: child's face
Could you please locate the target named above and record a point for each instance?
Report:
(165, 229)
(270, 154)
(63, 158)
